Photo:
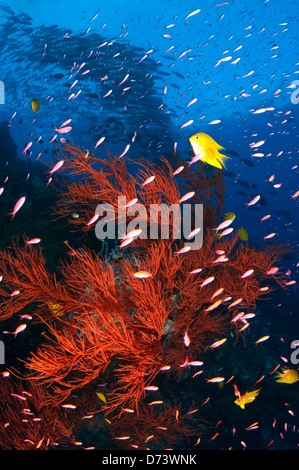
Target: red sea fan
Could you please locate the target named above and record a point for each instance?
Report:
(152, 429)
(26, 423)
(106, 325)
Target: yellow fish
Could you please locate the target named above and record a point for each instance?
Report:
(204, 144)
(287, 376)
(101, 397)
(56, 309)
(243, 234)
(230, 216)
(248, 397)
(35, 105)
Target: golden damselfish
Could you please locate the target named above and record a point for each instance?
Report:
(204, 144)
(35, 105)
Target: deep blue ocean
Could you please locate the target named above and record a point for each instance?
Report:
(229, 69)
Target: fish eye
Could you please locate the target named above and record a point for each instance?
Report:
(196, 137)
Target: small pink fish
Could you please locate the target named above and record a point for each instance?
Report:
(191, 102)
(64, 130)
(207, 281)
(216, 121)
(126, 242)
(218, 343)
(148, 180)
(266, 217)
(107, 94)
(124, 79)
(193, 233)
(248, 273)
(236, 302)
(218, 292)
(27, 147)
(14, 293)
(99, 142)
(183, 53)
(18, 330)
(215, 379)
(257, 144)
(212, 307)
(223, 225)
(264, 338)
(196, 158)
(33, 241)
(125, 151)
(226, 232)
(142, 274)
(192, 14)
(25, 316)
(273, 270)
(65, 123)
(133, 233)
(178, 170)
(56, 167)
(195, 363)
(271, 235)
(93, 219)
(186, 197)
(17, 206)
(186, 339)
(132, 202)
(237, 317)
(183, 250)
(248, 74)
(196, 271)
(254, 201)
(187, 123)
(290, 283)
(221, 259)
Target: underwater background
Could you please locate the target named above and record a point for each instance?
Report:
(146, 76)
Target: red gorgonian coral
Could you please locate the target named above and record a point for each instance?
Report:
(107, 326)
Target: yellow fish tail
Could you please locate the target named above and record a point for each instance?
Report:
(221, 157)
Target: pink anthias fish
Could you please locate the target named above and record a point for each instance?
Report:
(56, 167)
(254, 201)
(27, 147)
(17, 206)
(18, 330)
(125, 151)
(99, 142)
(64, 130)
(192, 14)
(223, 225)
(33, 241)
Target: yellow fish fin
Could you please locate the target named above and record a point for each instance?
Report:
(211, 157)
(221, 157)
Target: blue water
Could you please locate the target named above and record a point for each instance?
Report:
(258, 41)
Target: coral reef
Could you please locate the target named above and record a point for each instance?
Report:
(106, 327)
